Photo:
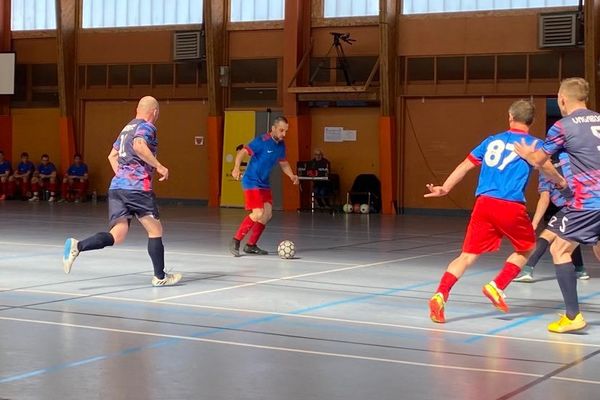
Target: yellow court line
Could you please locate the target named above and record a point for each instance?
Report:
(296, 350)
(244, 285)
(310, 317)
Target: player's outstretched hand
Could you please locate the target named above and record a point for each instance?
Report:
(295, 179)
(435, 191)
(236, 174)
(163, 172)
(523, 149)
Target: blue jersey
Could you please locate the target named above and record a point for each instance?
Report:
(579, 135)
(265, 152)
(133, 173)
(46, 169)
(77, 170)
(557, 197)
(5, 167)
(504, 174)
(24, 167)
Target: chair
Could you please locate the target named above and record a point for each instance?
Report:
(330, 199)
(366, 189)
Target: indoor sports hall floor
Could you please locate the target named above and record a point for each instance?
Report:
(347, 319)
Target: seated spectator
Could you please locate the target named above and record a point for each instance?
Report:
(5, 170)
(21, 178)
(44, 178)
(321, 189)
(75, 180)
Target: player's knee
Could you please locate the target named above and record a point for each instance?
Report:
(257, 214)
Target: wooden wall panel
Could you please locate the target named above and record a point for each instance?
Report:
(36, 131)
(348, 159)
(179, 122)
(440, 133)
(36, 50)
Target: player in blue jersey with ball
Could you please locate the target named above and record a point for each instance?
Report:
(499, 210)
(265, 151)
(578, 134)
(133, 159)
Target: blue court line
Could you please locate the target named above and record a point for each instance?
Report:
(524, 320)
(212, 331)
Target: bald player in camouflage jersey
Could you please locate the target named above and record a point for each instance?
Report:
(133, 159)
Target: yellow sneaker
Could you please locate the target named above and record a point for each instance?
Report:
(436, 308)
(564, 324)
(495, 295)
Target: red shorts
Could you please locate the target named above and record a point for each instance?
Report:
(256, 198)
(491, 220)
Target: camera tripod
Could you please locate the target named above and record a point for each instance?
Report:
(341, 60)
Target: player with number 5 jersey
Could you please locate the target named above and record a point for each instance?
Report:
(499, 210)
(578, 134)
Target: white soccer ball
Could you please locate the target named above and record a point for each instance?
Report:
(364, 208)
(286, 249)
(348, 208)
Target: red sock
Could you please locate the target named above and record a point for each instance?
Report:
(506, 275)
(257, 230)
(448, 280)
(244, 228)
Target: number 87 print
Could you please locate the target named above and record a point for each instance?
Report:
(495, 151)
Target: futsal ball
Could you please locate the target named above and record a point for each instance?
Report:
(364, 208)
(347, 208)
(356, 208)
(286, 249)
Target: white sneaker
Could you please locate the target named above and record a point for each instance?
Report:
(70, 254)
(168, 280)
(51, 199)
(34, 199)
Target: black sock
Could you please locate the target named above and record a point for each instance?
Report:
(567, 281)
(577, 259)
(157, 255)
(99, 241)
(541, 245)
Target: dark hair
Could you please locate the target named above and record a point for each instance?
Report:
(279, 119)
(24, 154)
(45, 156)
(1, 152)
(77, 155)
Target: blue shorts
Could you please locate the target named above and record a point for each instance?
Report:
(581, 226)
(124, 203)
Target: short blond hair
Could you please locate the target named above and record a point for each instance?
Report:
(522, 111)
(577, 89)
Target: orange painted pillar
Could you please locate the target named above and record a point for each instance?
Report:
(297, 147)
(214, 143)
(388, 163)
(6, 139)
(67, 142)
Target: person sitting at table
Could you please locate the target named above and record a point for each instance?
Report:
(320, 166)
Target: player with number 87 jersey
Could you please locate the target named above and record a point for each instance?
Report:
(499, 210)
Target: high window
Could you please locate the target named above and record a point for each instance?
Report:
(126, 13)
(438, 6)
(29, 15)
(256, 10)
(350, 8)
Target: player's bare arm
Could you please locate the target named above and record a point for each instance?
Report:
(455, 177)
(287, 169)
(540, 209)
(235, 173)
(113, 157)
(141, 149)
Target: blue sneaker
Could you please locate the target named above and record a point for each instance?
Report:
(70, 254)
